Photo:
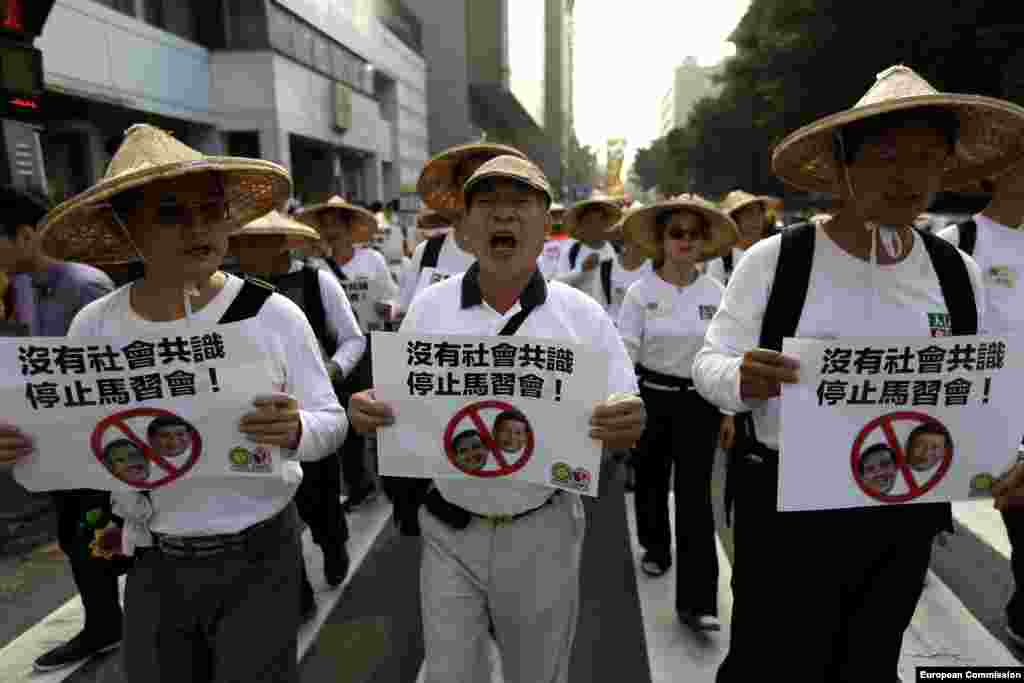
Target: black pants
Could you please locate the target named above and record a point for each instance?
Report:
(681, 432)
(95, 578)
(353, 451)
(319, 501)
(829, 592)
(1014, 521)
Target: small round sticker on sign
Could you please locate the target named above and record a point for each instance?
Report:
(901, 456)
(489, 439)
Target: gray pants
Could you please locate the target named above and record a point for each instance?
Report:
(231, 618)
(523, 576)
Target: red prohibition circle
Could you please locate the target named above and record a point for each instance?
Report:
(117, 421)
(915, 490)
(472, 412)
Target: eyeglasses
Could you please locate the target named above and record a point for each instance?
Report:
(691, 235)
(205, 213)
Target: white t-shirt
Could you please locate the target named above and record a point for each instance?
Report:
(587, 282)
(367, 265)
(999, 252)
(229, 504)
(846, 297)
(550, 256)
(451, 260)
(663, 325)
(622, 280)
(566, 314)
(716, 267)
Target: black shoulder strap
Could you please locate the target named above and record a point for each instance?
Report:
(789, 289)
(574, 253)
(432, 252)
(313, 299)
(968, 233)
(955, 281)
(606, 280)
(727, 262)
(336, 269)
(248, 302)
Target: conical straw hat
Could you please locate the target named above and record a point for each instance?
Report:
(640, 227)
(276, 223)
(572, 216)
(439, 184)
(990, 139)
(738, 199)
(363, 224)
(84, 228)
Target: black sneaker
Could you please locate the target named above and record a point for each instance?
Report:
(80, 648)
(335, 563)
(1015, 630)
(653, 565)
(363, 495)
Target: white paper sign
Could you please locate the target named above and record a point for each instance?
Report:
(884, 420)
(363, 294)
(490, 407)
(130, 414)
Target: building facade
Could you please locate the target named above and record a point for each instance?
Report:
(690, 83)
(334, 90)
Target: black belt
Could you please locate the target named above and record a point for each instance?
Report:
(645, 374)
(459, 517)
(201, 547)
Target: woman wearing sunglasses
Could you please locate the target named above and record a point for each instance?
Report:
(662, 321)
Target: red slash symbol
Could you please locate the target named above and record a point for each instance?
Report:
(503, 466)
(118, 421)
(914, 489)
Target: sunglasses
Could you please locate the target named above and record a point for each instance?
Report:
(691, 235)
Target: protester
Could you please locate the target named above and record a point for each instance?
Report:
(43, 295)
(663, 320)
(587, 263)
(554, 242)
(630, 265)
(440, 188)
(864, 272)
(750, 213)
(342, 226)
(213, 556)
(991, 238)
(262, 248)
(483, 564)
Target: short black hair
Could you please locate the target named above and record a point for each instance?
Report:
(929, 428)
(163, 421)
(875, 450)
(510, 416)
(488, 185)
(21, 207)
(462, 436)
(120, 443)
(848, 140)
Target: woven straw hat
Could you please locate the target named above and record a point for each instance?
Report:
(84, 228)
(572, 216)
(363, 224)
(514, 168)
(640, 227)
(275, 223)
(557, 212)
(738, 199)
(990, 139)
(439, 186)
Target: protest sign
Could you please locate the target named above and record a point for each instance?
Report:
(490, 407)
(128, 414)
(882, 420)
(363, 293)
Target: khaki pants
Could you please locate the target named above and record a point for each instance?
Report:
(523, 576)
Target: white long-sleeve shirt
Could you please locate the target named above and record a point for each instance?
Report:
(227, 505)
(341, 322)
(367, 264)
(846, 297)
(588, 282)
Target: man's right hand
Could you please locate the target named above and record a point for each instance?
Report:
(763, 373)
(366, 414)
(15, 445)
(591, 262)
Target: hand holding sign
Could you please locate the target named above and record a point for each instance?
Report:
(275, 422)
(619, 422)
(15, 445)
(366, 414)
(763, 372)
(1009, 490)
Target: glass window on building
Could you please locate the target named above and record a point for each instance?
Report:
(303, 43)
(124, 6)
(243, 143)
(173, 16)
(281, 31)
(322, 53)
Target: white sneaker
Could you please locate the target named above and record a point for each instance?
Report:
(1017, 638)
(701, 622)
